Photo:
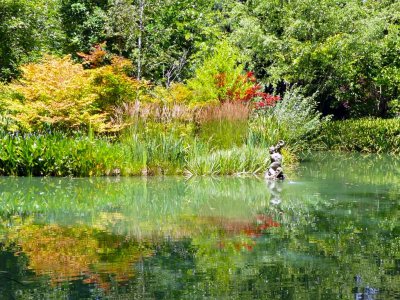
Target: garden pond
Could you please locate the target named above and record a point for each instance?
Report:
(331, 230)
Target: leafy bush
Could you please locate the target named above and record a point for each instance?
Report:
(364, 135)
(294, 119)
(221, 78)
(60, 94)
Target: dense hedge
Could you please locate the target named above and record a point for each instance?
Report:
(363, 135)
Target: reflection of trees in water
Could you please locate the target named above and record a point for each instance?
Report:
(222, 252)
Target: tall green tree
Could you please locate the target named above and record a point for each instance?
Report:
(27, 29)
(341, 49)
(83, 22)
(165, 39)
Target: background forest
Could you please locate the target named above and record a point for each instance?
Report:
(347, 51)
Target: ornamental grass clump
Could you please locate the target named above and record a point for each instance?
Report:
(223, 126)
(155, 153)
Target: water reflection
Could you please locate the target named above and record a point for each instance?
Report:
(275, 189)
(169, 238)
(363, 293)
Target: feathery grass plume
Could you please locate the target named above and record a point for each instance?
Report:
(223, 125)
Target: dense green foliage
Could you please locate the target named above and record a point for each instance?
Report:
(164, 39)
(364, 135)
(27, 30)
(347, 51)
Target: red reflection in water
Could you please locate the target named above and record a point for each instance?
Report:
(250, 228)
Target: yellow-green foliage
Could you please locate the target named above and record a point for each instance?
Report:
(58, 93)
(177, 93)
(220, 78)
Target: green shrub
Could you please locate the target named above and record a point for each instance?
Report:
(221, 77)
(294, 119)
(364, 135)
(60, 94)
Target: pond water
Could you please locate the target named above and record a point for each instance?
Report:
(330, 231)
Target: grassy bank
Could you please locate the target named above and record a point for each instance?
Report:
(362, 135)
(65, 119)
(56, 154)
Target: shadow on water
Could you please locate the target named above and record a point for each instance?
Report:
(331, 231)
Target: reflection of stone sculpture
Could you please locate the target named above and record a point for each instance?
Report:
(275, 170)
(275, 189)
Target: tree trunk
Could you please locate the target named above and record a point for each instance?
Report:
(141, 29)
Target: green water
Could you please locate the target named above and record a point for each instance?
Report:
(330, 231)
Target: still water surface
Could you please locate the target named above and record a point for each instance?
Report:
(330, 231)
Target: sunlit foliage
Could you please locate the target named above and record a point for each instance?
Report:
(60, 94)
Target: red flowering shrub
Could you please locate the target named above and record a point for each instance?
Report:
(222, 79)
(266, 100)
(244, 88)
